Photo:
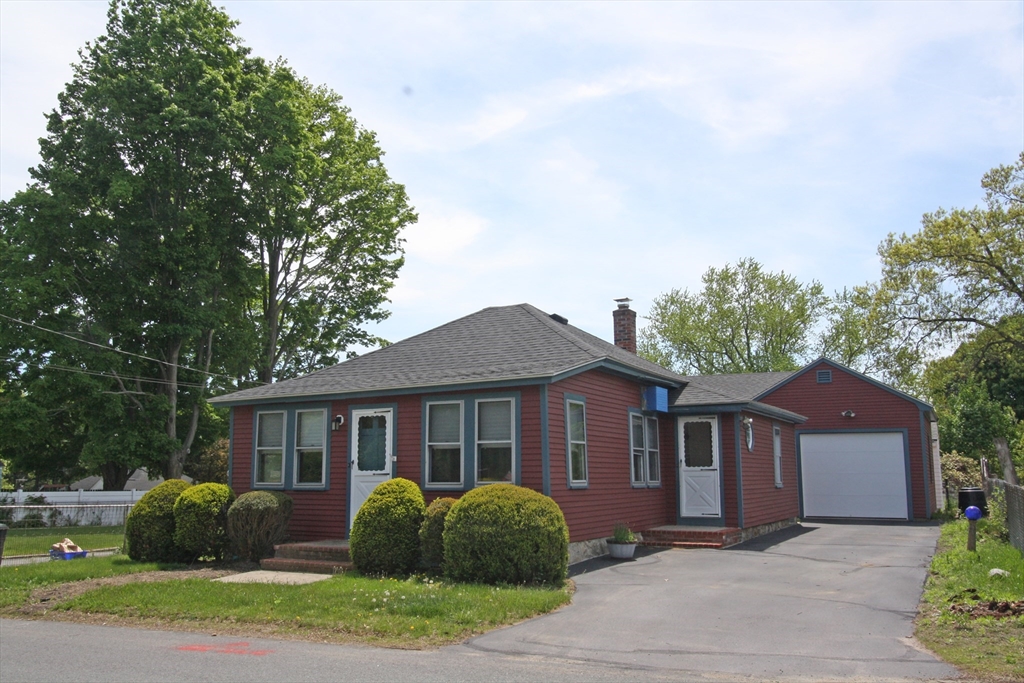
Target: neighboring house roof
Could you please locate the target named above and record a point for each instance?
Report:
(736, 392)
(499, 344)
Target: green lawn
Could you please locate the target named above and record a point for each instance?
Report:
(411, 613)
(417, 612)
(37, 541)
(17, 582)
(986, 647)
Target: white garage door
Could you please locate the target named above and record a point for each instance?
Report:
(853, 475)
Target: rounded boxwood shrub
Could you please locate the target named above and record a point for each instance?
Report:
(506, 534)
(385, 536)
(201, 520)
(431, 532)
(257, 521)
(149, 529)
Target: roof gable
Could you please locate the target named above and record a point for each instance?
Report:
(813, 365)
(497, 344)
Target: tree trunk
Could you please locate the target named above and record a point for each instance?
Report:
(115, 476)
(1003, 451)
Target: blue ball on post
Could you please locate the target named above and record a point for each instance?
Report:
(973, 514)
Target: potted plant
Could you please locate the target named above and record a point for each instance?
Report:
(622, 544)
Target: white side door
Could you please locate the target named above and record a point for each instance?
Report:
(371, 455)
(699, 467)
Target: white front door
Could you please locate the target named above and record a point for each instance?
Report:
(699, 458)
(371, 455)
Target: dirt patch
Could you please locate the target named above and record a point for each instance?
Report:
(41, 600)
(990, 608)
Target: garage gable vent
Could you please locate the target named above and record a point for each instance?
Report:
(824, 376)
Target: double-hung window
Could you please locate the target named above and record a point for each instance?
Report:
(576, 429)
(644, 449)
(310, 454)
(494, 441)
(444, 444)
(270, 448)
(777, 450)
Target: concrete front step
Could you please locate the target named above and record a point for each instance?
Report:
(321, 551)
(284, 564)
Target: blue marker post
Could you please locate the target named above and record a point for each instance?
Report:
(973, 514)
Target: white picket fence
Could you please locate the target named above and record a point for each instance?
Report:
(74, 497)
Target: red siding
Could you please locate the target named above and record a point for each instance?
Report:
(874, 407)
(727, 469)
(609, 497)
(762, 501)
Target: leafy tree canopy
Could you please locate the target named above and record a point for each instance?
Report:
(744, 319)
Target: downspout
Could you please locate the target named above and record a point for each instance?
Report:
(739, 469)
(545, 453)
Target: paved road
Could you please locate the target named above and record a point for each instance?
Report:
(823, 602)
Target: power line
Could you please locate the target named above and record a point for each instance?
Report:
(108, 348)
(94, 373)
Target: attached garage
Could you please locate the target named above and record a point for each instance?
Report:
(854, 474)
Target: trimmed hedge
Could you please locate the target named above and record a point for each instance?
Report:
(149, 529)
(257, 521)
(385, 533)
(432, 530)
(201, 519)
(508, 534)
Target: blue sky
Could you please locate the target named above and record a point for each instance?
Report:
(565, 154)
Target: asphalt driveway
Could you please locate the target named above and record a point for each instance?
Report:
(817, 601)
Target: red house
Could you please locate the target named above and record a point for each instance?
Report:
(512, 394)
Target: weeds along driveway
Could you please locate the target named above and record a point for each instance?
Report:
(815, 602)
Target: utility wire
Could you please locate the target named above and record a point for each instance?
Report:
(108, 348)
(80, 371)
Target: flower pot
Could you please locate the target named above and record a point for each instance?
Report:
(621, 551)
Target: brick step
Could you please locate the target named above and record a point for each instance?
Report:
(313, 552)
(682, 544)
(283, 564)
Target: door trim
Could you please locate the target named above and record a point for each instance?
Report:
(392, 409)
(716, 445)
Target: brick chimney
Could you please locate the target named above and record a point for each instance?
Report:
(624, 319)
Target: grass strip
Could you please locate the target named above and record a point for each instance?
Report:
(414, 612)
(988, 647)
(17, 582)
(37, 541)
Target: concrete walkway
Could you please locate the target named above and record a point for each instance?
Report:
(820, 601)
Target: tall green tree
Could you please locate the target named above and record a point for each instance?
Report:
(963, 272)
(135, 207)
(325, 220)
(744, 319)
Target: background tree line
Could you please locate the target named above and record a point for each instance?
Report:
(201, 219)
(945, 321)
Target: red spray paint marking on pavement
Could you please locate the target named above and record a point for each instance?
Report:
(226, 649)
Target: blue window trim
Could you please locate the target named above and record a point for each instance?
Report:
(645, 484)
(469, 445)
(450, 486)
(569, 482)
(288, 464)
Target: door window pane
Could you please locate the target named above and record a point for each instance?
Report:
(371, 443)
(697, 444)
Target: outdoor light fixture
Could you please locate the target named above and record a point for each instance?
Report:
(848, 413)
(748, 432)
(337, 422)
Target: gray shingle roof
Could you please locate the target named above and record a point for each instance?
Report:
(503, 343)
(719, 389)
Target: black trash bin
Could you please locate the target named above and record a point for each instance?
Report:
(972, 496)
(3, 539)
